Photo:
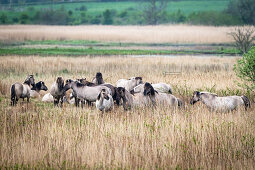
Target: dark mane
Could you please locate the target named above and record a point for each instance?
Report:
(148, 89)
(137, 78)
(99, 78)
(78, 84)
(27, 81)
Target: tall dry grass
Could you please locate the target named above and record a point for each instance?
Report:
(139, 34)
(38, 135)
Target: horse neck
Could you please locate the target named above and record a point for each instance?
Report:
(207, 100)
(27, 82)
(139, 88)
(76, 88)
(132, 84)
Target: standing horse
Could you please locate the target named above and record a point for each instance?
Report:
(19, 90)
(83, 92)
(223, 104)
(104, 101)
(159, 87)
(57, 91)
(130, 83)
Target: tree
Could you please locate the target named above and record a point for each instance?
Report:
(244, 37)
(243, 9)
(154, 10)
(108, 20)
(245, 69)
(3, 18)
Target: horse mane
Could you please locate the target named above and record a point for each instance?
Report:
(78, 84)
(205, 92)
(138, 78)
(99, 78)
(148, 89)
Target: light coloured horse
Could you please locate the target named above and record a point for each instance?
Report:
(104, 101)
(222, 104)
(159, 87)
(22, 90)
(130, 83)
(57, 91)
(83, 92)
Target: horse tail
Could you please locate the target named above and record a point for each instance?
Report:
(246, 102)
(13, 94)
(180, 103)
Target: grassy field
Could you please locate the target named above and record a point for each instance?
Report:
(97, 8)
(115, 40)
(38, 135)
(134, 34)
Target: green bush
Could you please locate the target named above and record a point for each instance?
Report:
(245, 69)
(52, 17)
(3, 19)
(24, 18)
(108, 19)
(213, 18)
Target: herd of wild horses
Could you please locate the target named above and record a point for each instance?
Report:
(130, 93)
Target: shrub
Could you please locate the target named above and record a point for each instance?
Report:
(108, 20)
(244, 37)
(245, 69)
(83, 8)
(3, 19)
(52, 17)
(24, 18)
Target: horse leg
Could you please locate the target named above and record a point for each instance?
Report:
(55, 101)
(16, 101)
(13, 101)
(76, 102)
(61, 101)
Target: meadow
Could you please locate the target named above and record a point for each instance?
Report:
(39, 135)
(97, 8)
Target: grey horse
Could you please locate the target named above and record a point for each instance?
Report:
(22, 90)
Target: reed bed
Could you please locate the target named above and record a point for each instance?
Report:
(38, 135)
(134, 34)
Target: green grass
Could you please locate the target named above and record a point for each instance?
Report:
(91, 51)
(97, 8)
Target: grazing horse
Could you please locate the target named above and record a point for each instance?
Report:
(150, 96)
(104, 101)
(19, 90)
(57, 91)
(98, 79)
(223, 104)
(83, 92)
(130, 83)
(159, 87)
(147, 97)
(110, 86)
(35, 91)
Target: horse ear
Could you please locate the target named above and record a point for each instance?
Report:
(197, 93)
